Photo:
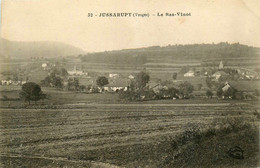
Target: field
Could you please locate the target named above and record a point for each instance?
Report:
(102, 135)
(70, 98)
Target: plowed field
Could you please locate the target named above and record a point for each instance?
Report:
(109, 133)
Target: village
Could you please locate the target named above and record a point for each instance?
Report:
(206, 82)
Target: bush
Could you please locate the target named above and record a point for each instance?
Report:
(128, 95)
(185, 90)
(257, 114)
(167, 93)
(137, 95)
(209, 94)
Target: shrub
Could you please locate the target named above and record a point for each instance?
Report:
(167, 93)
(137, 95)
(185, 89)
(257, 114)
(209, 94)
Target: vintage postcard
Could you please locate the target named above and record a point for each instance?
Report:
(130, 84)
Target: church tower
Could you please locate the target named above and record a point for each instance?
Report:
(221, 65)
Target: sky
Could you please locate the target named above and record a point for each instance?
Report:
(211, 21)
(0, 15)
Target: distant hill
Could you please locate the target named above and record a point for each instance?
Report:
(192, 53)
(17, 49)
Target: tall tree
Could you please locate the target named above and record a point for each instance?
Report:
(209, 82)
(31, 92)
(142, 79)
(102, 81)
(64, 72)
(186, 89)
(209, 94)
(174, 76)
(76, 83)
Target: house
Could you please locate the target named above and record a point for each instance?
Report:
(117, 85)
(218, 74)
(6, 82)
(190, 73)
(131, 77)
(113, 75)
(77, 72)
(226, 87)
(44, 66)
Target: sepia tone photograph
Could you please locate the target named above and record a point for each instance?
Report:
(129, 84)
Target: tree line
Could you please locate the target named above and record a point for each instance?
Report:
(218, 51)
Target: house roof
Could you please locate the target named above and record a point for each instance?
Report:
(226, 87)
(190, 71)
(152, 84)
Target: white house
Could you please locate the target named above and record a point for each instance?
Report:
(6, 82)
(10, 82)
(44, 66)
(77, 72)
(131, 77)
(113, 75)
(190, 73)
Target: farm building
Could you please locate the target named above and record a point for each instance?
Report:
(116, 85)
(190, 73)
